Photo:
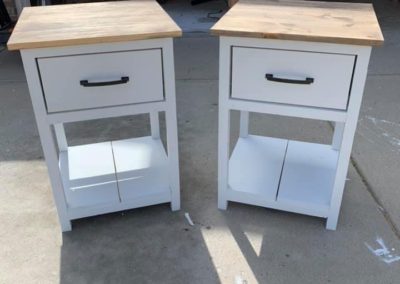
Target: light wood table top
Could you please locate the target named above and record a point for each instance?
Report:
(76, 24)
(333, 22)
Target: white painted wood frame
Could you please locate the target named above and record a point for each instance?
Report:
(336, 154)
(52, 144)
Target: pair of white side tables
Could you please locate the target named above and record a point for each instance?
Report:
(101, 60)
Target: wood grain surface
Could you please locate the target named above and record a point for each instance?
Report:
(76, 24)
(333, 22)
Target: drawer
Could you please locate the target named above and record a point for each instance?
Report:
(102, 79)
(292, 77)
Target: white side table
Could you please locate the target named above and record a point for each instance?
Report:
(109, 61)
(299, 59)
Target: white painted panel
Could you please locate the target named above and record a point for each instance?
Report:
(88, 175)
(87, 196)
(308, 176)
(61, 78)
(255, 168)
(332, 74)
(80, 212)
(142, 168)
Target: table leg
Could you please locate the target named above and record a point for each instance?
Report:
(46, 137)
(155, 125)
(51, 156)
(337, 135)
(223, 155)
(244, 124)
(224, 122)
(341, 174)
(349, 129)
(172, 145)
(172, 126)
(61, 137)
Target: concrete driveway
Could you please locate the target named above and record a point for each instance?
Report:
(244, 244)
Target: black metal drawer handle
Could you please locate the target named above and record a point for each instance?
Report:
(307, 81)
(86, 83)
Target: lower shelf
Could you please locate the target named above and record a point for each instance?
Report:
(110, 176)
(282, 174)
(307, 178)
(141, 166)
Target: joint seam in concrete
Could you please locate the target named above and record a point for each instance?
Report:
(369, 188)
(376, 198)
(12, 81)
(383, 74)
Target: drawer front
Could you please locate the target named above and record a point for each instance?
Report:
(102, 79)
(292, 77)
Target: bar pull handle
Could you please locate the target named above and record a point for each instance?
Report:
(86, 83)
(306, 81)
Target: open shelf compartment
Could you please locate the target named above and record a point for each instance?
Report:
(115, 175)
(142, 168)
(255, 168)
(282, 174)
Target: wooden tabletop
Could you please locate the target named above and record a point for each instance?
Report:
(75, 24)
(345, 23)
